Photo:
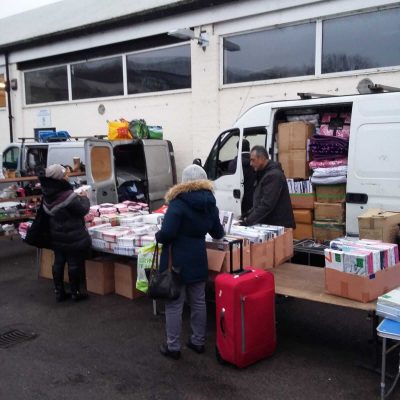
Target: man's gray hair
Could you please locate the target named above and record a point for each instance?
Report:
(260, 151)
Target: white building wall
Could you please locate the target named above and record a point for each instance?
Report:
(191, 119)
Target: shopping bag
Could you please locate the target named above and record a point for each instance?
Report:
(155, 132)
(139, 129)
(118, 130)
(144, 261)
(38, 235)
(166, 284)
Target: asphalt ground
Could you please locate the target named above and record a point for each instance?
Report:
(107, 348)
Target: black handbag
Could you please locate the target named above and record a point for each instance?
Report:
(38, 234)
(166, 284)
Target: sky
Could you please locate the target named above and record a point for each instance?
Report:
(11, 7)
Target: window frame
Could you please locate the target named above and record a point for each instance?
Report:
(89, 60)
(48, 102)
(125, 94)
(266, 81)
(318, 75)
(186, 43)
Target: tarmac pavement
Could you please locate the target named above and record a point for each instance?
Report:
(107, 348)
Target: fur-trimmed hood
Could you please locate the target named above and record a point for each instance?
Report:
(198, 194)
(185, 187)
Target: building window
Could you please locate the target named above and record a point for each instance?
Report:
(270, 54)
(46, 85)
(159, 70)
(2, 91)
(361, 41)
(98, 78)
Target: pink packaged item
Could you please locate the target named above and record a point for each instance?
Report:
(328, 163)
(113, 234)
(334, 124)
(121, 208)
(107, 210)
(129, 203)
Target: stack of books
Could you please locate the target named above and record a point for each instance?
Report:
(388, 305)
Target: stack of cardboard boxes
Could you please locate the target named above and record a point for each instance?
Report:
(379, 229)
(104, 275)
(293, 139)
(329, 212)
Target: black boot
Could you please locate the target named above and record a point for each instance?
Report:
(61, 295)
(74, 278)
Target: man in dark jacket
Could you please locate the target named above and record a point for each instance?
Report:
(248, 175)
(70, 239)
(271, 199)
(192, 213)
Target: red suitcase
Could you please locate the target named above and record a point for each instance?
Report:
(245, 312)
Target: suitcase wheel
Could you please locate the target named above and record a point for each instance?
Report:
(219, 358)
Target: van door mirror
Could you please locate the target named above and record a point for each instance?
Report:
(197, 161)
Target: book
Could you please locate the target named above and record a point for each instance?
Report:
(391, 298)
(389, 312)
(226, 217)
(389, 329)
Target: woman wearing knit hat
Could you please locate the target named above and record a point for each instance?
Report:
(69, 238)
(192, 213)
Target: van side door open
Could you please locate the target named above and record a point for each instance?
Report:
(100, 171)
(373, 179)
(227, 182)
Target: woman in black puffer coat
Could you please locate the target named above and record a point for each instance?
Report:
(70, 239)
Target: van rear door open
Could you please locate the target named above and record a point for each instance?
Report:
(100, 171)
(159, 170)
(373, 179)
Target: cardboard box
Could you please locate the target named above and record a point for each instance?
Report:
(295, 164)
(46, 265)
(334, 212)
(100, 275)
(303, 216)
(219, 260)
(262, 254)
(380, 225)
(330, 193)
(303, 231)
(325, 231)
(302, 200)
(283, 247)
(362, 288)
(125, 274)
(294, 136)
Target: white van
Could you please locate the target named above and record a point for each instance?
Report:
(148, 165)
(373, 179)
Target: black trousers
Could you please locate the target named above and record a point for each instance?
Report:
(75, 264)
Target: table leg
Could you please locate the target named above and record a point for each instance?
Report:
(383, 373)
(38, 257)
(154, 307)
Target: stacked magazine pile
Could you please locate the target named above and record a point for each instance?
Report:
(388, 305)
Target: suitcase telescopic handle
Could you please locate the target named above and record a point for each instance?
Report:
(222, 321)
(240, 243)
(241, 271)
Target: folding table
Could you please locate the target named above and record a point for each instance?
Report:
(388, 329)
